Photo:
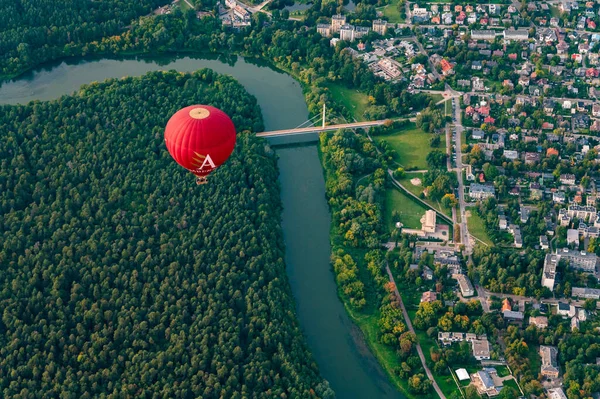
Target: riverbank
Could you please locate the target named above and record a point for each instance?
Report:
(345, 360)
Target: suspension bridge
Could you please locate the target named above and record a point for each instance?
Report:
(308, 127)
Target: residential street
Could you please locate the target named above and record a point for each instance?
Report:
(412, 330)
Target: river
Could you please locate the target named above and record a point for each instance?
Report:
(336, 343)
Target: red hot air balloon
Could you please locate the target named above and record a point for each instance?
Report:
(200, 138)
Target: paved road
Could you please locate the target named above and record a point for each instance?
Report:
(557, 99)
(484, 295)
(412, 330)
(317, 129)
(464, 230)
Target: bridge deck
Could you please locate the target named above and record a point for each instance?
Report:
(317, 129)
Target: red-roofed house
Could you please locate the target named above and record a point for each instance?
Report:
(446, 67)
(591, 24)
(485, 110)
(547, 126)
(551, 151)
(489, 120)
(512, 56)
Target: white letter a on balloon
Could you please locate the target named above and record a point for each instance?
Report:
(207, 161)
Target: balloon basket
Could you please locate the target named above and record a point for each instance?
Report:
(201, 180)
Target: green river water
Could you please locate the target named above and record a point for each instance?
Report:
(336, 343)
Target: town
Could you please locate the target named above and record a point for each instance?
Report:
(519, 96)
(408, 205)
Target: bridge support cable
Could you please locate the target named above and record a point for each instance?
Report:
(313, 119)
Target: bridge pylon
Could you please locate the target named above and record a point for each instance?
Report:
(323, 114)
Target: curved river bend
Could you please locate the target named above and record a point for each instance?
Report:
(336, 343)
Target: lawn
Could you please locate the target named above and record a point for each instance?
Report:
(412, 146)
(351, 99)
(184, 5)
(535, 362)
(448, 110)
(406, 182)
(417, 190)
(513, 384)
(391, 12)
(409, 210)
(476, 227)
(436, 97)
(502, 371)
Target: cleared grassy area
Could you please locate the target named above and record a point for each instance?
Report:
(436, 97)
(477, 228)
(502, 371)
(391, 12)
(184, 5)
(512, 384)
(447, 108)
(351, 99)
(409, 210)
(406, 182)
(417, 190)
(412, 145)
(535, 362)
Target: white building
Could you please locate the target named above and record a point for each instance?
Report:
(573, 237)
(347, 32)
(324, 29)
(549, 272)
(549, 364)
(582, 212)
(556, 393)
(481, 349)
(579, 259)
(516, 34)
(380, 26)
(481, 191)
(466, 288)
(428, 221)
(587, 293)
(337, 21)
(487, 34)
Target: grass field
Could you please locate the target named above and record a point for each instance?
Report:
(535, 362)
(502, 371)
(447, 108)
(512, 384)
(436, 97)
(405, 181)
(353, 100)
(412, 146)
(417, 190)
(476, 227)
(184, 5)
(391, 12)
(409, 210)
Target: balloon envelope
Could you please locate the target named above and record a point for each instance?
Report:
(200, 138)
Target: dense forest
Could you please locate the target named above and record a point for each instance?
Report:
(119, 277)
(35, 31)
